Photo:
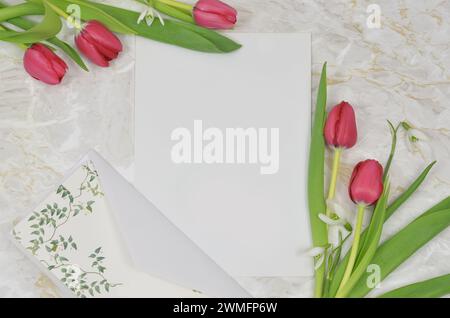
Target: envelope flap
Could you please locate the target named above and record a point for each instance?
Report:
(156, 245)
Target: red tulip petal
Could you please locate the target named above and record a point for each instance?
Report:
(214, 14)
(59, 66)
(218, 7)
(346, 132)
(212, 20)
(39, 67)
(330, 126)
(107, 53)
(366, 184)
(340, 128)
(90, 51)
(102, 36)
(352, 178)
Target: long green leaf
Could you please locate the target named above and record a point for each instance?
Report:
(405, 243)
(173, 32)
(224, 44)
(47, 28)
(411, 189)
(431, 288)
(339, 273)
(372, 240)
(316, 199)
(375, 227)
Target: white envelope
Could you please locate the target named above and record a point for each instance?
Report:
(250, 217)
(99, 237)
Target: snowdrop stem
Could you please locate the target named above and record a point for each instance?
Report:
(353, 252)
(334, 174)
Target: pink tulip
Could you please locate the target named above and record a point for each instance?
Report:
(44, 65)
(366, 182)
(98, 43)
(214, 14)
(340, 128)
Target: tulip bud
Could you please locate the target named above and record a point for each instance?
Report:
(98, 43)
(214, 14)
(366, 182)
(44, 65)
(340, 128)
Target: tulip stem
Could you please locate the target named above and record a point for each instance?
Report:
(354, 250)
(334, 174)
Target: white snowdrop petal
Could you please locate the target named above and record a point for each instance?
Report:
(149, 20)
(142, 16)
(419, 134)
(324, 218)
(319, 262)
(315, 251)
(160, 18)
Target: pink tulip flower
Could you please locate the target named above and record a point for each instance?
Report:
(98, 43)
(44, 65)
(340, 128)
(366, 182)
(214, 14)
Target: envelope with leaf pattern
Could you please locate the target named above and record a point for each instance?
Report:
(96, 236)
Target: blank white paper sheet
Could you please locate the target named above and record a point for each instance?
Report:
(222, 145)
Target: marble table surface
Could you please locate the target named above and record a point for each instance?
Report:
(399, 70)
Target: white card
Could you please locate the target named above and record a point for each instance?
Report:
(241, 199)
(96, 236)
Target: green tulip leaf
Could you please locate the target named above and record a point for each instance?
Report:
(407, 194)
(224, 44)
(47, 28)
(316, 199)
(431, 288)
(401, 246)
(376, 225)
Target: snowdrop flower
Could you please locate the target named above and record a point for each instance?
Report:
(149, 16)
(336, 217)
(318, 253)
(333, 220)
(416, 141)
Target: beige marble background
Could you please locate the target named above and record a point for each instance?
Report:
(400, 71)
